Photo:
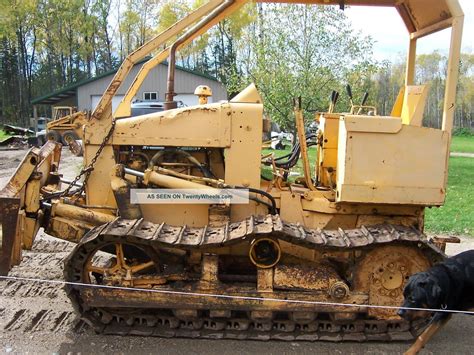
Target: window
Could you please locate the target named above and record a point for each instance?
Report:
(150, 96)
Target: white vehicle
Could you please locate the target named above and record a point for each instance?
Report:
(145, 107)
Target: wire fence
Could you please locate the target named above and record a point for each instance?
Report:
(234, 297)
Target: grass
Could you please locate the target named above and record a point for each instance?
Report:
(457, 215)
(3, 135)
(462, 144)
(267, 171)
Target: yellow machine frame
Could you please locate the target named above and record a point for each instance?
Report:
(351, 231)
(423, 24)
(399, 187)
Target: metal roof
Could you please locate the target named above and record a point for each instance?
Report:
(67, 91)
(71, 90)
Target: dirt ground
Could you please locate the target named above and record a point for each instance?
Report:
(38, 318)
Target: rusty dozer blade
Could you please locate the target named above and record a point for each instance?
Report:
(9, 248)
(37, 165)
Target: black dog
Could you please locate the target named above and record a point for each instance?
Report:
(448, 285)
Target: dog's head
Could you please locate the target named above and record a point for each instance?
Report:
(421, 291)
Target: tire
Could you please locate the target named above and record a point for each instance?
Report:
(68, 135)
(41, 140)
(53, 136)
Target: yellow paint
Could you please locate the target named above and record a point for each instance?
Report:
(414, 102)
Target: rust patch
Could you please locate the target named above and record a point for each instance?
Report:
(306, 277)
(9, 208)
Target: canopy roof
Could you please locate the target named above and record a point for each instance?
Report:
(419, 15)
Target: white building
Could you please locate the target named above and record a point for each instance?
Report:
(86, 94)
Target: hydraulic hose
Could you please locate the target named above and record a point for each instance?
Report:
(159, 155)
(293, 156)
(273, 208)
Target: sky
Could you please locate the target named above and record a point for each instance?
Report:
(387, 29)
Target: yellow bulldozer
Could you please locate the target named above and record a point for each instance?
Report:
(314, 259)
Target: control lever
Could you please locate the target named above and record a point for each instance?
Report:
(364, 101)
(349, 93)
(334, 98)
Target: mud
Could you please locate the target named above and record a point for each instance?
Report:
(38, 318)
(9, 160)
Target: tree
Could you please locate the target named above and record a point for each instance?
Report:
(137, 22)
(305, 51)
(465, 100)
(430, 70)
(18, 26)
(287, 50)
(387, 82)
(105, 60)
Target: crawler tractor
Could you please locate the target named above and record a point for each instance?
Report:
(65, 125)
(302, 260)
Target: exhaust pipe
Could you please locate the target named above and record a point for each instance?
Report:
(170, 94)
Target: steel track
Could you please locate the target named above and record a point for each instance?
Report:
(163, 323)
(247, 329)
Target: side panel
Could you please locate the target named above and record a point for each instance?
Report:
(234, 126)
(196, 126)
(386, 166)
(243, 158)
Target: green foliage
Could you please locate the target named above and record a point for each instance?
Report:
(170, 13)
(307, 51)
(457, 215)
(463, 132)
(386, 85)
(430, 70)
(463, 144)
(47, 44)
(17, 41)
(136, 24)
(3, 135)
(287, 50)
